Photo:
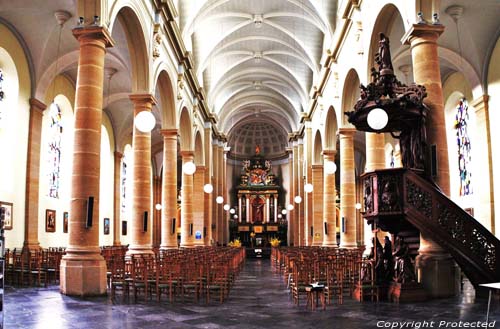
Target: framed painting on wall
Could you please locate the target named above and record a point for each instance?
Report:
(8, 214)
(106, 226)
(65, 222)
(50, 220)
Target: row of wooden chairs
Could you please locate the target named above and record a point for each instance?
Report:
(178, 274)
(32, 268)
(341, 272)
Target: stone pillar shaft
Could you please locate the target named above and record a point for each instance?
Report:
(33, 175)
(375, 151)
(199, 205)
(169, 190)
(317, 222)
(329, 206)
(83, 270)
(187, 198)
(347, 188)
(117, 199)
(142, 216)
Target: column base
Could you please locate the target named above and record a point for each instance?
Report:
(83, 275)
(329, 244)
(169, 247)
(439, 274)
(139, 250)
(31, 246)
(348, 245)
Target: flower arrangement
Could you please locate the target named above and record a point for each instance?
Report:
(275, 242)
(236, 243)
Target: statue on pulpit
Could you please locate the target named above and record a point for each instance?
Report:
(404, 271)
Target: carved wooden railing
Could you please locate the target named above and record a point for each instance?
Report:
(393, 196)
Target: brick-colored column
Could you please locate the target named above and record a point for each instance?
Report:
(307, 156)
(292, 218)
(317, 194)
(347, 188)
(199, 205)
(83, 269)
(156, 227)
(187, 198)
(169, 190)
(375, 151)
(117, 198)
(329, 206)
(209, 197)
(227, 199)
(422, 39)
(33, 175)
(438, 273)
(291, 227)
(140, 242)
(216, 208)
(300, 208)
(485, 212)
(220, 184)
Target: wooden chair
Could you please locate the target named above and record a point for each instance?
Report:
(367, 282)
(119, 278)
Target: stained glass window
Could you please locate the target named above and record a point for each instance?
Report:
(55, 137)
(124, 185)
(464, 147)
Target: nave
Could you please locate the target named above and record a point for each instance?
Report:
(258, 299)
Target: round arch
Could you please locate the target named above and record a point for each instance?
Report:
(130, 21)
(350, 95)
(317, 148)
(165, 93)
(198, 150)
(331, 128)
(185, 131)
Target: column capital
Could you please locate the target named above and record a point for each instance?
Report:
(94, 33)
(347, 131)
(200, 168)
(37, 105)
(479, 103)
(329, 153)
(431, 32)
(169, 132)
(317, 167)
(187, 154)
(118, 155)
(142, 99)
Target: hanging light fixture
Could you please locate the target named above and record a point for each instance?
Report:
(219, 199)
(208, 188)
(283, 212)
(358, 206)
(61, 18)
(226, 207)
(158, 206)
(377, 119)
(189, 168)
(290, 207)
(145, 121)
(298, 199)
(232, 211)
(308, 188)
(330, 167)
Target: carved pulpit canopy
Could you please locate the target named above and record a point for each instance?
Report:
(403, 104)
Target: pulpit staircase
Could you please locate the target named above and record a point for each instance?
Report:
(401, 201)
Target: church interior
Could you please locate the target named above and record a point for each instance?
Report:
(249, 164)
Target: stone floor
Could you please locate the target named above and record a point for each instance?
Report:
(259, 299)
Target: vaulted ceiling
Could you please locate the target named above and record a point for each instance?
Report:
(257, 60)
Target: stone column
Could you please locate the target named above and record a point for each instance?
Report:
(216, 207)
(422, 39)
(239, 208)
(140, 240)
(317, 195)
(227, 199)
(83, 269)
(375, 151)
(198, 205)
(294, 220)
(299, 208)
(485, 212)
(208, 179)
(187, 196)
(347, 188)
(156, 218)
(169, 190)
(117, 199)
(437, 271)
(329, 206)
(33, 175)
(308, 144)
